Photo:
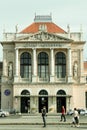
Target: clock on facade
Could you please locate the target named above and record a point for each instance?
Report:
(7, 92)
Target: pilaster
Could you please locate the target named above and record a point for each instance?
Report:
(69, 66)
(34, 76)
(16, 65)
(52, 67)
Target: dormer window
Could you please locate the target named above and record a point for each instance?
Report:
(43, 27)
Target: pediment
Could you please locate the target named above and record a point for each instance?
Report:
(42, 36)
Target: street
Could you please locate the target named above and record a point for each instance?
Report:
(27, 122)
(37, 120)
(40, 127)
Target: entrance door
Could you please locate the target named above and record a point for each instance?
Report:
(61, 101)
(25, 104)
(85, 99)
(43, 100)
(25, 101)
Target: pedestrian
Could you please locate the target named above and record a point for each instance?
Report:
(76, 118)
(44, 116)
(63, 114)
(73, 122)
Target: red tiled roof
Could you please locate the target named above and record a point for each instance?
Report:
(51, 28)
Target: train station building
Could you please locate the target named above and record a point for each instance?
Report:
(43, 66)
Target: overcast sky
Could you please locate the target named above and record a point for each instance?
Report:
(64, 12)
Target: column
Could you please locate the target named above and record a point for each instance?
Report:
(34, 76)
(5, 67)
(16, 62)
(4, 63)
(81, 62)
(69, 63)
(81, 68)
(16, 65)
(52, 66)
(70, 69)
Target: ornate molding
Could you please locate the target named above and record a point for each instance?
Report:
(43, 36)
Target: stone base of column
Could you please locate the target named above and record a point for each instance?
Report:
(4, 79)
(16, 79)
(51, 78)
(34, 78)
(82, 79)
(69, 79)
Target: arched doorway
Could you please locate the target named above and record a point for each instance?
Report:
(61, 100)
(25, 101)
(43, 100)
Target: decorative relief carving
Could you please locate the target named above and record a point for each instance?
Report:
(43, 36)
(74, 53)
(75, 70)
(10, 69)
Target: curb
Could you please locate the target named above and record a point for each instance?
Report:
(40, 123)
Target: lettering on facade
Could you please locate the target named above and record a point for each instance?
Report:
(45, 45)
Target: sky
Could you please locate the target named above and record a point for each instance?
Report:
(64, 12)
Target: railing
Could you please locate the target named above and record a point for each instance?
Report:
(61, 80)
(22, 80)
(25, 79)
(43, 79)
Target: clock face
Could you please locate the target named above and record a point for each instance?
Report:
(7, 92)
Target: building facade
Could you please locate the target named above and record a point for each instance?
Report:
(43, 66)
(1, 65)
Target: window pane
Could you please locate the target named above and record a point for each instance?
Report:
(26, 74)
(60, 65)
(43, 65)
(25, 65)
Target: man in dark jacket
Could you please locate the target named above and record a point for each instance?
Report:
(44, 116)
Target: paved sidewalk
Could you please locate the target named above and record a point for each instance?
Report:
(37, 120)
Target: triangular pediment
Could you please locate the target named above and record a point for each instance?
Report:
(42, 36)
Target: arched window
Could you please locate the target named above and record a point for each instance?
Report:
(43, 92)
(61, 92)
(43, 65)
(60, 65)
(25, 92)
(25, 65)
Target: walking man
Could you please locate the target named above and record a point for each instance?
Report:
(44, 116)
(63, 114)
